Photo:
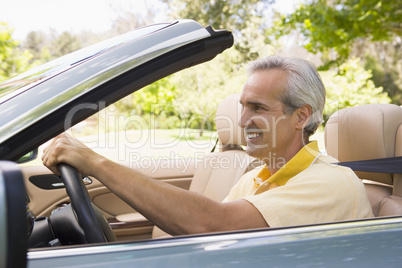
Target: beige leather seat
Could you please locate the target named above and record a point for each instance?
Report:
(217, 172)
(370, 132)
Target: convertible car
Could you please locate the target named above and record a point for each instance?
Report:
(75, 221)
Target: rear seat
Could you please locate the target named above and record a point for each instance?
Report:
(369, 132)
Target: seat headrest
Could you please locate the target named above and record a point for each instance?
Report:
(227, 121)
(364, 132)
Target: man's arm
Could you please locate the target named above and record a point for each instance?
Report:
(174, 210)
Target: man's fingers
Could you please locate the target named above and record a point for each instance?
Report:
(51, 153)
(66, 149)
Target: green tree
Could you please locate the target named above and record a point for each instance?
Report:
(64, 44)
(350, 86)
(340, 29)
(154, 100)
(128, 21)
(45, 47)
(204, 86)
(12, 59)
(333, 27)
(37, 43)
(245, 18)
(386, 67)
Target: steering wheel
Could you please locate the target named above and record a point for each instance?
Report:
(90, 218)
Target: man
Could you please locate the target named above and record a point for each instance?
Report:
(282, 104)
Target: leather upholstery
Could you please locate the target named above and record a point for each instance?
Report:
(227, 121)
(369, 132)
(217, 172)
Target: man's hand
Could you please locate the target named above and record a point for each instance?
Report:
(65, 149)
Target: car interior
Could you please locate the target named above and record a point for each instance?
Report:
(357, 133)
(48, 195)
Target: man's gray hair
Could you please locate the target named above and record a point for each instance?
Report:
(304, 86)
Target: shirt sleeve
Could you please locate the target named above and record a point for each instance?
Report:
(243, 187)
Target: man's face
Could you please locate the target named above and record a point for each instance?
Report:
(270, 134)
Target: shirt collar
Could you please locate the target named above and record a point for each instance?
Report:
(302, 160)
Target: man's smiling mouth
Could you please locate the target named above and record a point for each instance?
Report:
(253, 135)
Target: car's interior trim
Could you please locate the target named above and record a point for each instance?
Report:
(137, 221)
(52, 181)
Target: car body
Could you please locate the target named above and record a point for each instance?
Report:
(34, 109)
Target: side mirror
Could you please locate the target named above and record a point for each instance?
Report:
(28, 157)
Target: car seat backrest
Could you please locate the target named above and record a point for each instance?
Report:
(218, 172)
(370, 132)
(228, 114)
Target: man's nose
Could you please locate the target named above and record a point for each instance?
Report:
(244, 119)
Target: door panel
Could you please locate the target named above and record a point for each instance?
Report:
(125, 221)
(42, 201)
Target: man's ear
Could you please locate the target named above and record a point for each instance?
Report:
(303, 114)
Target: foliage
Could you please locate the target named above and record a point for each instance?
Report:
(128, 20)
(12, 59)
(245, 18)
(36, 43)
(334, 26)
(155, 99)
(386, 67)
(350, 86)
(63, 44)
(220, 14)
(204, 86)
(341, 29)
(187, 99)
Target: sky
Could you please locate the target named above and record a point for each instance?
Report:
(64, 15)
(77, 15)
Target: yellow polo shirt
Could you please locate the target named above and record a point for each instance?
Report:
(308, 189)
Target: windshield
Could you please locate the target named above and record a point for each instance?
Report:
(22, 82)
